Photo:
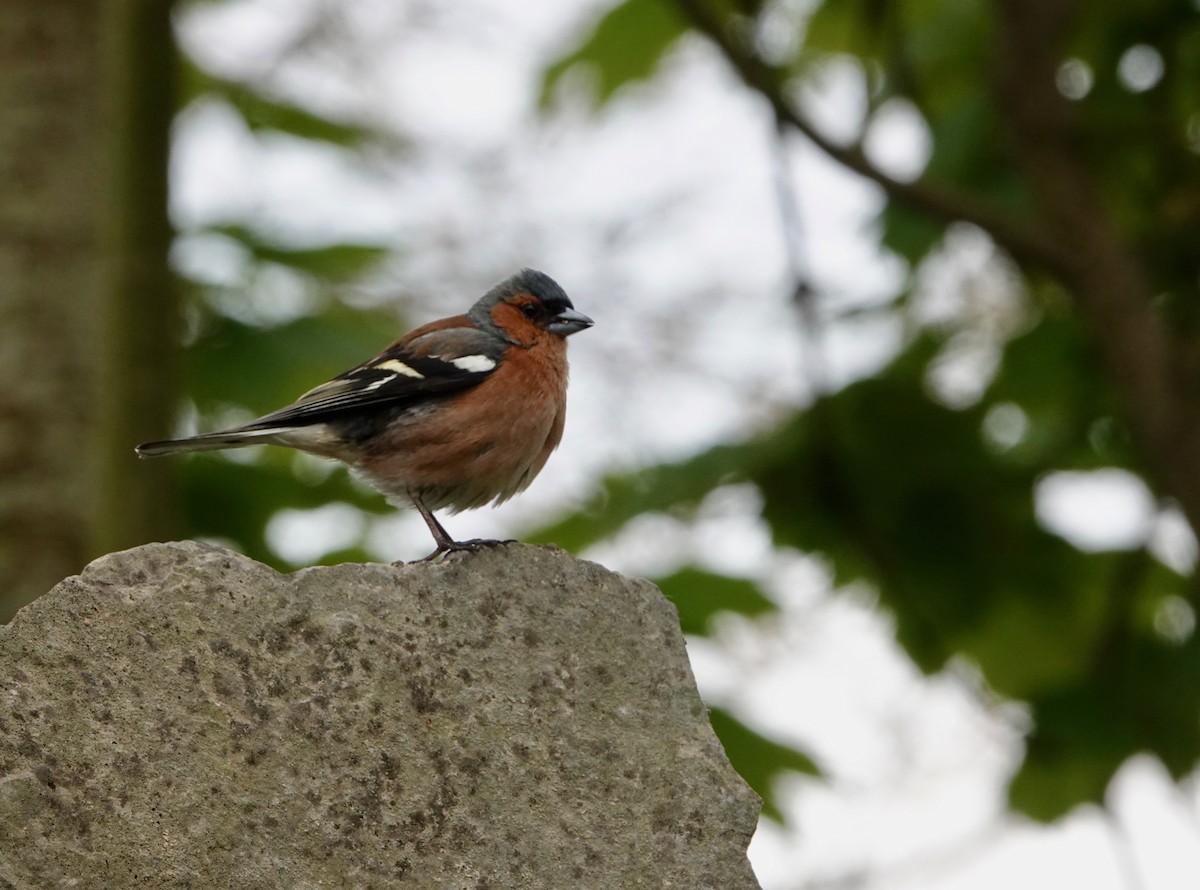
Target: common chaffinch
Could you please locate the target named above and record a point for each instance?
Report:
(456, 414)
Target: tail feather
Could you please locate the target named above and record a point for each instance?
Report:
(208, 442)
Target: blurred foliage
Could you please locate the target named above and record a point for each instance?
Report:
(243, 360)
(885, 481)
(235, 498)
(700, 595)
(625, 46)
(757, 758)
(262, 112)
(893, 486)
(274, 364)
(330, 263)
(235, 501)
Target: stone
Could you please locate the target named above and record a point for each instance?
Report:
(181, 716)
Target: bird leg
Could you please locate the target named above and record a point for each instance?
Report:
(445, 543)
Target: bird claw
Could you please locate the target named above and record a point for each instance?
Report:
(464, 546)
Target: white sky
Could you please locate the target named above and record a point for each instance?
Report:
(663, 198)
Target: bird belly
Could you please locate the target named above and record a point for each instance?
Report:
(482, 451)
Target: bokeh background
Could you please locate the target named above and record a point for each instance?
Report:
(894, 387)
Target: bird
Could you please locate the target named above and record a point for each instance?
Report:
(459, 413)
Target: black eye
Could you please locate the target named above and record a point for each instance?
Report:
(530, 309)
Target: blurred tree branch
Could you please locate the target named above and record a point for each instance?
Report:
(1110, 283)
(1075, 237)
(1018, 237)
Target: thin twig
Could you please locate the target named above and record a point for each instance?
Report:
(1019, 238)
(792, 232)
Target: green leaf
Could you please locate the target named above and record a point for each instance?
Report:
(1071, 421)
(338, 263)
(625, 46)
(262, 112)
(266, 368)
(757, 759)
(909, 233)
(1144, 697)
(844, 27)
(1071, 756)
(674, 488)
(699, 595)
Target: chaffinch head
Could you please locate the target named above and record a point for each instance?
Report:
(459, 413)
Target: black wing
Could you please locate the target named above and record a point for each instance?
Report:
(407, 372)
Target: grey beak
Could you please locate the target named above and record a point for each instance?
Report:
(569, 322)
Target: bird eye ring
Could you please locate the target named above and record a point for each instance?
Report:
(530, 309)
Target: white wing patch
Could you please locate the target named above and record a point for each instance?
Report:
(476, 364)
(400, 368)
(375, 384)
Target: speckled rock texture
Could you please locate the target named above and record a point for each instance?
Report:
(181, 716)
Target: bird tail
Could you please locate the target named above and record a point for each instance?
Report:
(209, 442)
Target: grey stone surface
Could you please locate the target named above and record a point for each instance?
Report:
(181, 716)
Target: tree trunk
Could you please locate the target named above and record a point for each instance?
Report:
(77, 255)
(137, 502)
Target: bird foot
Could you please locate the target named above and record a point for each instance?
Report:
(464, 546)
